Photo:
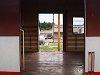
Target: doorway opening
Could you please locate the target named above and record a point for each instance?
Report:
(50, 32)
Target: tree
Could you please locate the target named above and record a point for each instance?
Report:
(46, 26)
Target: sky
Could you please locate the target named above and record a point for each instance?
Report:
(78, 21)
(49, 18)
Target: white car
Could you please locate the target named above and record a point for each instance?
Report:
(41, 39)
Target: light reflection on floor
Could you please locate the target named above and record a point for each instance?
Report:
(54, 63)
(51, 57)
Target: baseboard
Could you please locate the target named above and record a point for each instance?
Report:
(95, 73)
(10, 73)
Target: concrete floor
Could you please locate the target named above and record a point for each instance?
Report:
(54, 63)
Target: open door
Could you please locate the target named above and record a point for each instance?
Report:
(51, 32)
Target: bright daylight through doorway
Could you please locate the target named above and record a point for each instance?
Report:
(50, 32)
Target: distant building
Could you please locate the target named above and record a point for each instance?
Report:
(78, 29)
(56, 31)
(49, 33)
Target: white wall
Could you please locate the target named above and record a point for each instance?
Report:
(92, 44)
(9, 54)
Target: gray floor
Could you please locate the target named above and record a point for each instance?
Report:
(54, 63)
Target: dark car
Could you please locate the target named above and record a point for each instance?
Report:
(49, 36)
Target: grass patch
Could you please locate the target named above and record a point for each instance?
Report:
(52, 47)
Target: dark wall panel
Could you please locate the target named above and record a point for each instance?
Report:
(73, 42)
(9, 17)
(29, 22)
(93, 18)
(29, 19)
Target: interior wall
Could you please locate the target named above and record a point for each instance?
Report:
(69, 8)
(9, 18)
(30, 26)
(93, 17)
(92, 33)
(70, 37)
(9, 37)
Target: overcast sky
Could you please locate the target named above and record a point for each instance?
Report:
(49, 18)
(78, 21)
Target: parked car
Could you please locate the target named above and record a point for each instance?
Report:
(49, 36)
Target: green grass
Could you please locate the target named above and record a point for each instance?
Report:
(52, 47)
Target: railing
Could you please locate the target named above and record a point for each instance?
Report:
(91, 62)
(23, 55)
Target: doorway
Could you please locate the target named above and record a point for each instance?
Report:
(50, 32)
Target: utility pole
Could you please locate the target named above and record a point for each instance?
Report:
(53, 27)
(58, 32)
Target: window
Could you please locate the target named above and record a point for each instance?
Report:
(78, 25)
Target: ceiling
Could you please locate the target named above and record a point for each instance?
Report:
(51, 5)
